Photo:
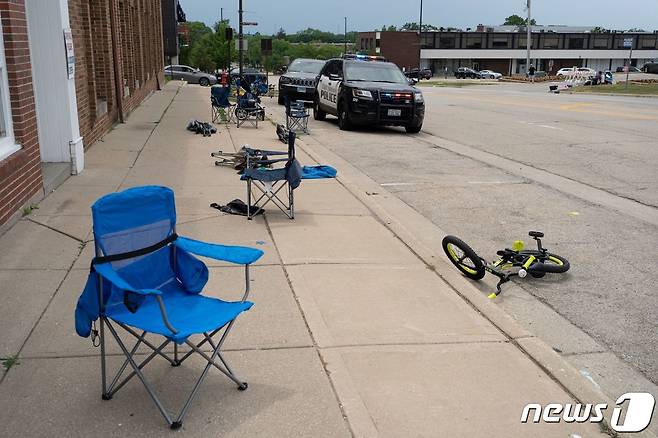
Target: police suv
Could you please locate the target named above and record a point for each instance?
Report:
(367, 90)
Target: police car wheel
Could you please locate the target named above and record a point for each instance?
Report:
(318, 114)
(413, 129)
(343, 118)
(280, 100)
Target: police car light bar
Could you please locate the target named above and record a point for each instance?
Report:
(365, 57)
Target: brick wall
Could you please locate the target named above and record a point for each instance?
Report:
(20, 173)
(139, 57)
(401, 48)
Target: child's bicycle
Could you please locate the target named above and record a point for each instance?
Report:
(511, 262)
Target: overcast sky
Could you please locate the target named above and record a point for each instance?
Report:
(293, 15)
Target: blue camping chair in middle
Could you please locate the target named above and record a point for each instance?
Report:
(297, 116)
(270, 182)
(146, 280)
(219, 103)
(248, 107)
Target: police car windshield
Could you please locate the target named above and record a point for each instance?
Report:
(306, 66)
(371, 72)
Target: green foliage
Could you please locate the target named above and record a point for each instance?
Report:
(598, 29)
(414, 26)
(208, 48)
(515, 20)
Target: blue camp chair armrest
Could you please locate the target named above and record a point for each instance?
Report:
(106, 271)
(239, 255)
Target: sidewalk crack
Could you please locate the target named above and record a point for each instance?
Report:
(64, 233)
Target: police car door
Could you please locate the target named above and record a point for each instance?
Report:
(329, 84)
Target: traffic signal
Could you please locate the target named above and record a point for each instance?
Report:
(266, 46)
(228, 33)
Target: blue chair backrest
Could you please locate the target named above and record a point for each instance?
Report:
(132, 220)
(219, 96)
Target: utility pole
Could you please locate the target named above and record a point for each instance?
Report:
(221, 15)
(528, 42)
(345, 38)
(420, 35)
(240, 36)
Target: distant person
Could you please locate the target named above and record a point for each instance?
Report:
(445, 72)
(531, 73)
(598, 79)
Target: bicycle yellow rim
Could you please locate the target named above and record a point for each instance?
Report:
(456, 259)
(556, 261)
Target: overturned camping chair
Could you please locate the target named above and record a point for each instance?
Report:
(144, 279)
(297, 116)
(270, 182)
(219, 103)
(248, 108)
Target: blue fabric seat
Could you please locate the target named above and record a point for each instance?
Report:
(189, 313)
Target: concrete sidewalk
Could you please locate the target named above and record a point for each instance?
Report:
(353, 333)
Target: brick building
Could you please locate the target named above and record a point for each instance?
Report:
(69, 70)
(402, 48)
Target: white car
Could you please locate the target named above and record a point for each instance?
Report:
(571, 70)
(489, 74)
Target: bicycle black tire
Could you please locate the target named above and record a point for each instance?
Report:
(477, 271)
(558, 268)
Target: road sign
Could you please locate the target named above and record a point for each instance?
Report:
(249, 23)
(628, 43)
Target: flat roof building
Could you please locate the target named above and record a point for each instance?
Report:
(503, 48)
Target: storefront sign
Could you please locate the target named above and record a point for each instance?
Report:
(70, 54)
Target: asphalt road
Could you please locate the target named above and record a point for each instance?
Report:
(494, 162)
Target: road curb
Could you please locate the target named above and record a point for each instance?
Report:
(423, 238)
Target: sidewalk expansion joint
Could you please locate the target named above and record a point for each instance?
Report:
(412, 344)
(64, 233)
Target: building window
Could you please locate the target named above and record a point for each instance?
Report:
(550, 42)
(447, 42)
(648, 41)
(601, 42)
(7, 143)
(427, 41)
(576, 43)
(473, 41)
(501, 42)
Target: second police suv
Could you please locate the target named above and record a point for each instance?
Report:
(367, 90)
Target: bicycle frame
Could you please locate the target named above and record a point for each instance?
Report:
(510, 259)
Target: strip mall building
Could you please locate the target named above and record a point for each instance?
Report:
(503, 48)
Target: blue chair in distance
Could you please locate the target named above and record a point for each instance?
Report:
(219, 103)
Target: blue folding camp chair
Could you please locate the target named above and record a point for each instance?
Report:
(144, 279)
(271, 181)
(297, 116)
(219, 103)
(248, 108)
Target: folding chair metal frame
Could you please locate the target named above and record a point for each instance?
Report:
(215, 111)
(297, 116)
(108, 391)
(270, 192)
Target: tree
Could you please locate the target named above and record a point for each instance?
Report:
(515, 20)
(390, 28)
(281, 34)
(414, 27)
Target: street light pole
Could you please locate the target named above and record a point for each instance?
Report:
(345, 38)
(420, 35)
(528, 41)
(240, 36)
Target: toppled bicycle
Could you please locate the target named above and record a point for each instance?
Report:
(516, 261)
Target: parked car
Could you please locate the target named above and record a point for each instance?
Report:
(465, 72)
(650, 67)
(488, 74)
(416, 73)
(631, 69)
(571, 70)
(250, 74)
(300, 79)
(189, 74)
(368, 90)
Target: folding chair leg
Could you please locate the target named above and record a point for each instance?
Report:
(150, 391)
(249, 199)
(104, 394)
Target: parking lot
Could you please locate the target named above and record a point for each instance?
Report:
(496, 161)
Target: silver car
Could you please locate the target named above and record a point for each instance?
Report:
(189, 74)
(488, 74)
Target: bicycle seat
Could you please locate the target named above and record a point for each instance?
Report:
(536, 234)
